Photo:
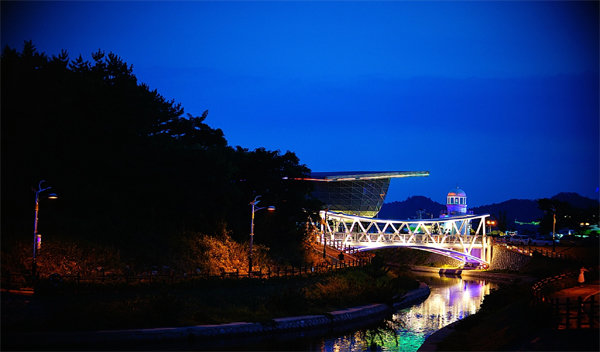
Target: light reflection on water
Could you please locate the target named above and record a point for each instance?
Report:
(451, 299)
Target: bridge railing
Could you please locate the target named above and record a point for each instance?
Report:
(340, 245)
(341, 239)
(527, 250)
(575, 314)
(345, 223)
(578, 313)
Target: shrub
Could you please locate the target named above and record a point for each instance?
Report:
(61, 257)
(216, 254)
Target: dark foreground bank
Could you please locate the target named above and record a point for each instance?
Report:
(215, 336)
(509, 321)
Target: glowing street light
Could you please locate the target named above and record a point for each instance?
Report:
(254, 210)
(37, 240)
(490, 223)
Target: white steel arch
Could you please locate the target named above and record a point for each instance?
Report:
(452, 236)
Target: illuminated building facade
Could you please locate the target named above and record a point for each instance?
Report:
(356, 193)
(456, 202)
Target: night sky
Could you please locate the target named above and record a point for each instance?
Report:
(499, 98)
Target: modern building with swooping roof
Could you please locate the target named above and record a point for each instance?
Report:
(359, 193)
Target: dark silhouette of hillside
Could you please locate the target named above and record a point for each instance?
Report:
(507, 212)
(576, 201)
(524, 210)
(408, 209)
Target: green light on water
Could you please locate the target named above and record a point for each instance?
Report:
(404, 342)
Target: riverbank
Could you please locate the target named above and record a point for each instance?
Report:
(217, 334)
(507, 330)
(508, 321)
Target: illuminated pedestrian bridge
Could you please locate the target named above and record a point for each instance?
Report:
(454, 236)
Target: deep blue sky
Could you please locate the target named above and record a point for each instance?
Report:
(499, 98)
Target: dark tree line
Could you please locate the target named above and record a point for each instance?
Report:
(567, 215)
(131, 169)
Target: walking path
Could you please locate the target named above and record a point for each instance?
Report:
(571, 338)
(585, 292)
(577, 307)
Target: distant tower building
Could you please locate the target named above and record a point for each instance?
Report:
(456, 202)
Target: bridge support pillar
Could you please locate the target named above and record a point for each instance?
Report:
(486, 250)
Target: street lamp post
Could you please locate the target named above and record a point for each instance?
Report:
(254, 210)
(490, 223)
(35, 225)
(324, 239)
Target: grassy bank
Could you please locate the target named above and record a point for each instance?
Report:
(508, 320)
(200, 301)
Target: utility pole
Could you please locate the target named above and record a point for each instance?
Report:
(553, 229)
(254, 210)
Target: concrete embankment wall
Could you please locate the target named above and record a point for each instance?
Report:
(338, 320)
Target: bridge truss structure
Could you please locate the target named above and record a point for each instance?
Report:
(460, 237)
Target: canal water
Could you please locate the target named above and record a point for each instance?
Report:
(451, 299)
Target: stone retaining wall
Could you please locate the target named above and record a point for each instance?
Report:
(440, 260)
(504, 259)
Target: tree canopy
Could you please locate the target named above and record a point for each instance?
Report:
(132, 169)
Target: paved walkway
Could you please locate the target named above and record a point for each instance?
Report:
(570, 339)
(585, 292)
(572, 314)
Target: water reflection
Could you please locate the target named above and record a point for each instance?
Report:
(451, 299)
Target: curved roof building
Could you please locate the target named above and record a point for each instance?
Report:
(356, 192)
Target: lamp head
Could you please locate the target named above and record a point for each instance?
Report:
(271, 208)
(52, 196)
(255, 201)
